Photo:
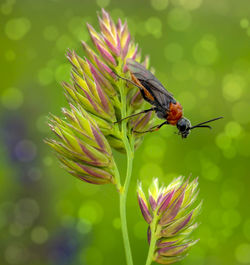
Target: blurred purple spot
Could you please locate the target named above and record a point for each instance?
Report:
(25, 151)
(64, 246)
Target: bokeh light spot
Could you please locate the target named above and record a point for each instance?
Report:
(76, 25)
(210, 170)
(182, 70)
(153, 25)
(132, 25)
(47, 161)
(205, 76)
(223, 141)
(50, 33)
(25, 150)
(159, 4)
(17, 28)
(45, 76)
(6, 8)
(16, 229)
(140, 229)
(240, 112)
(227, 232)
(84, 226)
(67, 221)
(173, 52)
(236, 183)
(117, 13)
(190, 4)
(10, 55)
(153, 151)
(229, 199)
(12, 98)
(233, 86)
(41, 123)
(205, 52)
(102, 3)
(248, 32)
(229, 152)
(63, 72)
(244, 23)
(117, 223)
(3, 219)
(151, 170)
(246, 229)
(210, 151)
(35, 173)
(64, 42)
(91, 211)
(39, 235)
(203, 93)
(231, 218)
(233, 129)
(179, 19)
(26, 211)
(141, 29)
(242, 253)
(15, 254)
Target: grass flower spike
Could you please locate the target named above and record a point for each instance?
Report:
(168, 211)
(97, 100)
(113, 47)
(82, 148)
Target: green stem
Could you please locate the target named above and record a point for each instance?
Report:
(153, 227)
(117, 177)
(129, 146)
(123, 200)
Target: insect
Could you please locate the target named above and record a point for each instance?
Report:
(162, 101)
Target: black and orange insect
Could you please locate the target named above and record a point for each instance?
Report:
(163, 102)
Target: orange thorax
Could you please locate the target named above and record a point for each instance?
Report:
(174, 113)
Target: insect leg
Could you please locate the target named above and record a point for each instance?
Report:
(145, 94)
(131, 82)
(130, 116)
(154, 128)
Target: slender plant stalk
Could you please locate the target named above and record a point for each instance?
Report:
(153, 227)
(129, 146)
(118, 178)
(123, 200)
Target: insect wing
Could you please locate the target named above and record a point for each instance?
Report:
(150, 82)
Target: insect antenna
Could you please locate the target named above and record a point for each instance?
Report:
(201, 125)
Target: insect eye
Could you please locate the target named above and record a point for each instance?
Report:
(183, 127)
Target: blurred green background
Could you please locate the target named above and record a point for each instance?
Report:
(200, 50)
